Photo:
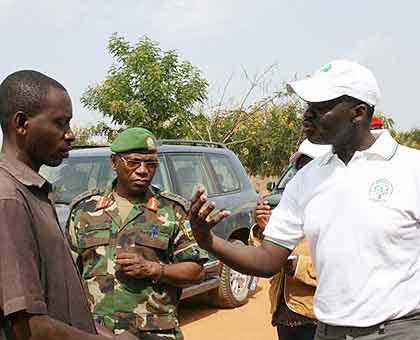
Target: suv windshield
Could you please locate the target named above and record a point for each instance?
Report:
(77, 175)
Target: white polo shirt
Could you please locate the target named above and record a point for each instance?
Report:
(363, 225)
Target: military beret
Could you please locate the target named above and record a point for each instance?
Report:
(138, 139)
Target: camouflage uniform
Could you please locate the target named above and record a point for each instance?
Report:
(158, 229)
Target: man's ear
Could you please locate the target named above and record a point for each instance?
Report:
(360, 112)
(114, 162)
(20, 122)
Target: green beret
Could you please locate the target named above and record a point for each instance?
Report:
(134, 139)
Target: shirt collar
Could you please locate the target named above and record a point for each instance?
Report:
(384, 146)
(108, 198)
(23, 173)
(324, 160)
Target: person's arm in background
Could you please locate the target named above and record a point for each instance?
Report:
(305, 270)
(301, 267)
(262, 215)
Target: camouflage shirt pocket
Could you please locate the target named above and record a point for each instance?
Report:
(152, 245)
(93, 244)
(94, 236)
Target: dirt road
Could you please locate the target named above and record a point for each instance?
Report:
(249, 322)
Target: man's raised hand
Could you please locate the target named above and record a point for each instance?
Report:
(203, 217)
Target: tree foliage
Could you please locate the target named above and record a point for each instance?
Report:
(147, 86)
(263, 135)
(85, 136)
(264, 144)
(409, 138)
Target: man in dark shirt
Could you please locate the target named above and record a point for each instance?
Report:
(41, 295)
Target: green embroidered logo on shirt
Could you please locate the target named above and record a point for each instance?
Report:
(326, 68)
(381, 190)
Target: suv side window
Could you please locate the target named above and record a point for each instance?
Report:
(225, 174)
(190, 173)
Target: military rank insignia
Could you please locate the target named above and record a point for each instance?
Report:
(153, 232)
(102, 203)
(150, 143)
(152, 204)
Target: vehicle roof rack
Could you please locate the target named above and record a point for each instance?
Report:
(191, 143)
(203, 143)
(76, 147)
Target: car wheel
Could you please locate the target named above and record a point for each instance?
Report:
(234, 288)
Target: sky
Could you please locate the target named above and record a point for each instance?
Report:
(67, 41)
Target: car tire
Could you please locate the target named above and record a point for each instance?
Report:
(234, 289)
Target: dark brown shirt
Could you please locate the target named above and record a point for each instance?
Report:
(37, 272)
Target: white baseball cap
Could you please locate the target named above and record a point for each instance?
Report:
(311, 150)
(336, 79)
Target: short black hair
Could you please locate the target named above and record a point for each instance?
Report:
(25, 91)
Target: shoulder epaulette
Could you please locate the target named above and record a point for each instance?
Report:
(83, 196)
(176, 198)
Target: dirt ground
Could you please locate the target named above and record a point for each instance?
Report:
(249, 322)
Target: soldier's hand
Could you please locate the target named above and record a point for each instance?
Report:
(203, 217)
(137, 266)
(103, 331)
(262, 213)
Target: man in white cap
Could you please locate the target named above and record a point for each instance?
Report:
(358, 206)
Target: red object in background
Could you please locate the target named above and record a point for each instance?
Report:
(376, 123)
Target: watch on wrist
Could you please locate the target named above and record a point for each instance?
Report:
(160, 273)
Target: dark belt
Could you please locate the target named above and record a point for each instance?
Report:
(353, 332)
(349, 332)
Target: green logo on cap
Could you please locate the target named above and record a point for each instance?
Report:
(326, 68)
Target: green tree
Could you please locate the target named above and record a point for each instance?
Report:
(266, 141)
(263, 135)
(85, 136)
(409, 138)
(147, 86)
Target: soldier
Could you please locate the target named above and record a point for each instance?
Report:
(134, 244)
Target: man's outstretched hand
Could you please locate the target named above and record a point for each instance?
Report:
(203, 217)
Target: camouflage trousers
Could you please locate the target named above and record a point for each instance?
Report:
(171, 334)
